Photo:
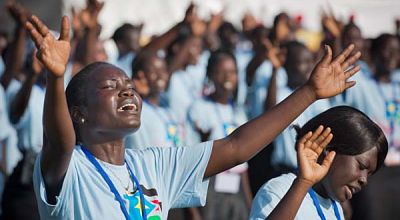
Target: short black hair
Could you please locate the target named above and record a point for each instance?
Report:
(141, 61)
(120, 32)
(353, 132)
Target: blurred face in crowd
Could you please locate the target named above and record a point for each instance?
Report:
(131, 40)
(388, 55)
(100, 52)
(194, 46)
(224, 76)
(298, 66)
(353, 36)
(156, 75)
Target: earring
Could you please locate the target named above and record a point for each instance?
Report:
(83, 120)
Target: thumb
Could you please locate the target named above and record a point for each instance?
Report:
(326, 164)
(327, 58)
(64, 34)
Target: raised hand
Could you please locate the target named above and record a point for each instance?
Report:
(272, 53)
(52, 53)
(91, 13)
(329, 77)
(37, 67)
(309, 149)
(17, 12)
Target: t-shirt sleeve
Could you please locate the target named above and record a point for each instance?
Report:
(60, 208)
(182, 170)
(268, 197)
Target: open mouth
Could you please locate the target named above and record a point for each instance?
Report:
(228, 85)
(128, 107)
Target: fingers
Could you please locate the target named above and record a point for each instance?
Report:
(317, 133)
(349, 84)
(65, 26)
(39, 25)
(326, 141)
(328, 160)
(303, 140)
(36, 37)
(350, 72)
(344, 54)
(326, 60)
(321, 138)
(350, 61)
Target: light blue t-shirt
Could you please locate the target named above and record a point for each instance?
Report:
(8, 136)
(381, 102)
(2, 66)
(158, 127)
(169, 178)
(257, 92)
(186, 86)
(219, 119)
(8, 140)
(125, 63)
(29, 127)
(284, 152)
(273, 191)
(242, 59)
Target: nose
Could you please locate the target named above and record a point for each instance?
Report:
(363, 180)
(127, 92)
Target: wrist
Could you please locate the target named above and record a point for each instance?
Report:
(303, 183)
(308, 93)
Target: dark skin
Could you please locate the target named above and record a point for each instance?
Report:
(386, 59)
(130, 41)
(298, 68)
(225, 80)
(89, 47)
(104, 138)
(17, 46)
(155, 78)
(331, 176)
(21, 100)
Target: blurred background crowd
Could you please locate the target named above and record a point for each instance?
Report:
(203, 69)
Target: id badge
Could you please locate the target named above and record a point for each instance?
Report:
(228, 129)
(392, 109)
(172, 133)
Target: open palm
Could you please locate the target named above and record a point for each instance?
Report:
(52, 53)
(309, 149)
(329, 77)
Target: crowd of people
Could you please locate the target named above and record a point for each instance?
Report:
(206, 121)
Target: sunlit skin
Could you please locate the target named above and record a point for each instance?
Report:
(111, 97)
(348, 175)
(225, 80)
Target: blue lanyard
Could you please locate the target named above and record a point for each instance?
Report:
(390, 117)
(112, 187)
(318, 206)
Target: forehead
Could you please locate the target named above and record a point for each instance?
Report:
(107, 72)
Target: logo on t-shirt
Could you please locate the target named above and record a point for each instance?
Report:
(151, 203)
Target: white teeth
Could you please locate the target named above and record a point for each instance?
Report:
(228, 85)
(129, 106)
(161, 83)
